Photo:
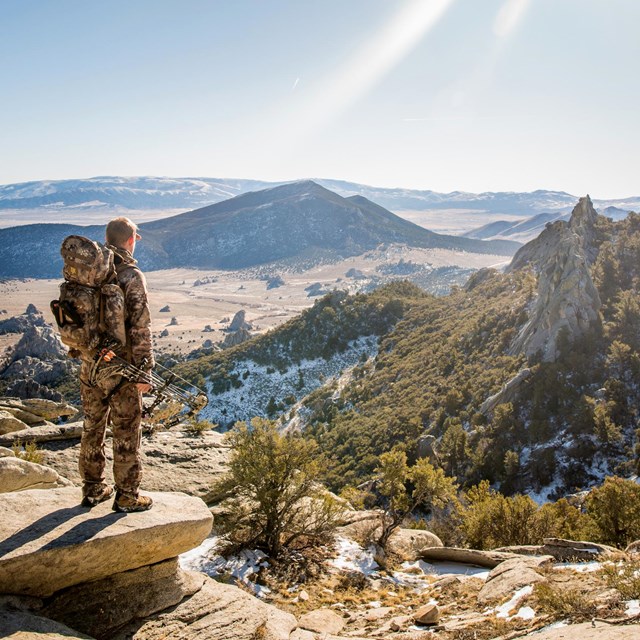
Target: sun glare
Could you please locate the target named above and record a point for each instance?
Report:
(375, 59)
(509, 16)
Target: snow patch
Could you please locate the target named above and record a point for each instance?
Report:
(524, 612)
(242, 567)
(260, 383)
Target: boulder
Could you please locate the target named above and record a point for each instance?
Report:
(239, 322)
(216, 612)
(49, 409)
(17, 474)
(634, 547)
(377, 614)
(322, 621)
(45, 433)
(427, 614)
(30, 419)
(511, 575)
(23, 625)
(123, 597)
(565, 550)
(410, 543)
(275, 282)
(50, 530)
(171, 461)
(467, 556)
(9, 423)
(235, 338)
(5, 452)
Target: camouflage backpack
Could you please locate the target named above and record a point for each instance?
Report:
(90, 310)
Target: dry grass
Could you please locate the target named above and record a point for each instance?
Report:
(558, 601)
(29, 452)
(624, 577)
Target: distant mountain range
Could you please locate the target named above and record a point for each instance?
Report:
(526, 230)
(291, 221)
(105, 194)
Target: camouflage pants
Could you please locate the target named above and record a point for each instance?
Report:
(123, 410)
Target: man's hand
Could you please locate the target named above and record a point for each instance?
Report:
(143, 387)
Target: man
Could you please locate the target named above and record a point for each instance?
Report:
(117, 400)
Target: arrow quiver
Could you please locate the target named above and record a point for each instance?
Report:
(171, 402)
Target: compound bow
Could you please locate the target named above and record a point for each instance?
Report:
(170, 400)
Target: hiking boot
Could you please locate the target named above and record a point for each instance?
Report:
(93, 494)
(127, 503)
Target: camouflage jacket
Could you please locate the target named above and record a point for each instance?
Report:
(137, 315)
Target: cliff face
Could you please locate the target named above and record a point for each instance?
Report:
(567, 299)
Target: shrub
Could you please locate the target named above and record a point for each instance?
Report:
(561, 602)
(30, 452)
(405, 488)
(624, 577)
(615, 508)
(197, 427)
(491, 520)
(274, 500)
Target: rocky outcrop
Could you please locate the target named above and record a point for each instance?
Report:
(566, 300)
(565, 550)
(235, 338)
(39, 342)
(316, 289)
(239, 322)
(322, 621)
(28, 420)
(21, 388)
(49, 528)
(511, 575)
(9, 423)
(171, 460)
(275, 282)
(47, 409)
(17, 474)
(46, 433)
(76, 572)
(468, 556)
(411, 543)
(507, 393)
(216, 612)
(38, 359)
(130, 595)
(24, 625)
(19, 324)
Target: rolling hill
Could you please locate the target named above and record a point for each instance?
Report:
(291, 221)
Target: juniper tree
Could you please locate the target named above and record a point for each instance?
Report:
(274, 499)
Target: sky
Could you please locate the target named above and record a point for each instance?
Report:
(470, 95)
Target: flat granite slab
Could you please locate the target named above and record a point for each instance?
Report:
(49, 542)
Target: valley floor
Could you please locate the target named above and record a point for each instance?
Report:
(221, 294)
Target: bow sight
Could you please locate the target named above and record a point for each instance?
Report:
(170, 400)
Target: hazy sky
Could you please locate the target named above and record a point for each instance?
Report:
(475, 95)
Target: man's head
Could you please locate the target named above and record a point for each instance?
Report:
(123, 233)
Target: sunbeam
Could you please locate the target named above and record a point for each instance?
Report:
(373, 61)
